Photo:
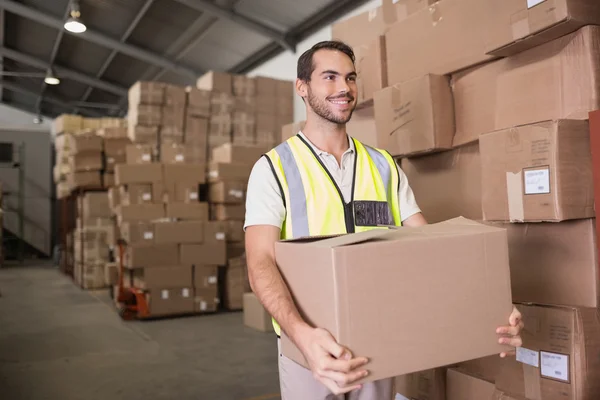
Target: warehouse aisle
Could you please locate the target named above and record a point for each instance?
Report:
(60, 342)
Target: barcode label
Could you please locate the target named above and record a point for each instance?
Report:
(148, 235)
(220, 236)
(164, 294)
(533, 3)
(537, 181)
(528, 357)
(145, 157)
(555, 366)
(185, 293)
(212, 279)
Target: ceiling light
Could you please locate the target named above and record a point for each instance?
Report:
(50, 79)
(38, 120)
(74, 24)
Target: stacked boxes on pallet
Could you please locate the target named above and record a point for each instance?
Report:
(507, 142)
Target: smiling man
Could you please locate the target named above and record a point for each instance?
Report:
(324, 182)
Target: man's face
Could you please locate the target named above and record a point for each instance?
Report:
(331, 92)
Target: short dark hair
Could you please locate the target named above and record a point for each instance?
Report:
(305, 62)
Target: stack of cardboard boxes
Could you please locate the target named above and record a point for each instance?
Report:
(487, 113)
(93, 238)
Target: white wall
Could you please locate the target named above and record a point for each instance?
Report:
(16, 120)
(284, 65)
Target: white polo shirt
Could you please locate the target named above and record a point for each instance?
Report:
(264, 205)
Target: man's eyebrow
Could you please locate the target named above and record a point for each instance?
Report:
(332, 72)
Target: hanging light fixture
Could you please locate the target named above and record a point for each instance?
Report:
(50, 79)
(74, 23)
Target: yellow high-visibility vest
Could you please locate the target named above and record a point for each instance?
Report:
(313, 201)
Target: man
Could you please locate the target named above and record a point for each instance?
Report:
(317, 183)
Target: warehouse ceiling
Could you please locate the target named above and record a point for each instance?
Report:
(129, 40)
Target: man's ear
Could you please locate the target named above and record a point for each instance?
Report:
(301, 88)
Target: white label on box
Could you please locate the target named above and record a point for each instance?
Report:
(220, 236)
(236, 193)
(179, 157)
(193, 196)
(529, 357)
(400, 397)
(185, 293)
(212, 279)
(110, 160)
(146, 157)
(146, 196)
(148, 235)
(213, 174)
(203, 306)
(537, 181)
(164, 294)
(555, 366)
(533, 3)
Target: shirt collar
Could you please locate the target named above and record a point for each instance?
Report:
(320, 152)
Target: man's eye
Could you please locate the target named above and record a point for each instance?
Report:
(330, 77)
(352, 79)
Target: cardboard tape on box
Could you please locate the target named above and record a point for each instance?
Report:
(514, 191)
(532, 381)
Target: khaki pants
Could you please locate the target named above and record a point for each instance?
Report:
(298, 383)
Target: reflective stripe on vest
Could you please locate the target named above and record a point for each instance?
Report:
(314, 202)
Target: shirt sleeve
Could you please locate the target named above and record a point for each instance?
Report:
(264, 204)
(406, 197)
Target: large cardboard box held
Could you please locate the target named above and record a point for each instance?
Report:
(554, 263)
(461, 386)
(333, 290)
(559, 358)
(444, 38)
(418, 115)
(447, 184)
(557, 80)
(520, 25)
(539, 172)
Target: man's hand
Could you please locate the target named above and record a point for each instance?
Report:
(331, 364)
(511, 334)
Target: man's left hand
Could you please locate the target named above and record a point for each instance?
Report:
(511, 334)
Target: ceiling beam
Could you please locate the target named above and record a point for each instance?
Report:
(50, 99)
(98, 38)
(132, 25)
(211, 8)
(63, 71)
(55, 47)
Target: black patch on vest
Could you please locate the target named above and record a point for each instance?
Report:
(372, 213)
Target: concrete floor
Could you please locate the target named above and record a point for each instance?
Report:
(60, 342)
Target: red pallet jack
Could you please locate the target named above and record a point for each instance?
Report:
(131, 302)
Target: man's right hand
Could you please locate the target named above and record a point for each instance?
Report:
(331, 364)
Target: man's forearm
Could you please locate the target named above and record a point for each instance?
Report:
(273, 293)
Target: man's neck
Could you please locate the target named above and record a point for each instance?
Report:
(329, 137)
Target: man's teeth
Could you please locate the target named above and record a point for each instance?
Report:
(340, 101)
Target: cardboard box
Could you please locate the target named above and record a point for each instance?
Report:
(113, 132)
(216, 82)
(196, 130)
(235, 250)
(115, 147)
(206, 276)
(228, 171)
(206, 300)
(143, 114)
(559, 358)
(126, 174)
(289, 130)
(184, 172)
(208, 253)
(558, 78)
(363, 128)
(333, 290)
(162, 277)
(108, 122)
(175, 96)
(520, 25)
(456, 173)
(171, 301)
(265, 87)
(145, 92)
(236, 277)
(417, 115)
(114, 197)
(183, 192)
(137, 194)
(220, 126)
(87, 161)
(179, 153)
(143, 134)
(452, 37)
(88, 179)
(234, 231)
(227, 192)
(245, 104)
(140, 212)
(266, 126)
(221, 103)
(554, 263)
(187, 211)
(67, 123)
(423, 385)
(91, 123)
(285, 106)
(243, 85)
(137, 232)
(215, 232)
(111, 161)
(95, 205)
(265, 104)
(179, 232)
(539, 172)
(173, 117)
(143, 255)
(198, 103)
(486, 368)
(85, 143)
(230, 153)
(226, 212)
(371, 68)
(243, 128)
(460, 386)
(111, 274)
(255, 315)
